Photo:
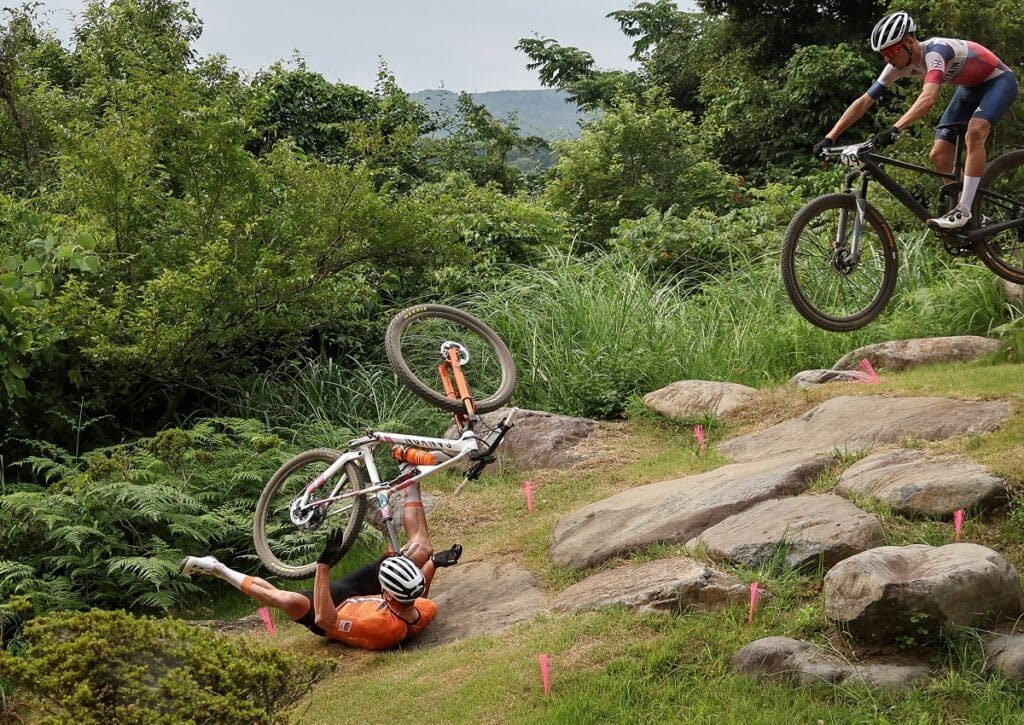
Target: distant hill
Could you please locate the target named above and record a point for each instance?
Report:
(543, 113)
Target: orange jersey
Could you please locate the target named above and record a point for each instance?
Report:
(369, 623)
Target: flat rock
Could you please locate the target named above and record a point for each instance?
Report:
(541, 440)
(913, 592)
(689, 398)
(783, 658)
(476, 598)
(1005, 654)
(807, 379)
(671, 585)
(913, 483)
(857, 423)
(810, 529)
(675, 511)
(905, 354)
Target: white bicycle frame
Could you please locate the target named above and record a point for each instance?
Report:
(360, 451)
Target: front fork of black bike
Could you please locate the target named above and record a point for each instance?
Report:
(846, 250)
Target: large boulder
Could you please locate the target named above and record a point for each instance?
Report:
(808, 530)
(783, 658)
(912, 482)
(856, 423)
(691, 398)
(671, 585)
(674, 511)
(905, 354)
(476, 598)
(911, 593)
(541, 440)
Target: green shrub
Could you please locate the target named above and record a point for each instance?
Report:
(109, 528)
(112, 667)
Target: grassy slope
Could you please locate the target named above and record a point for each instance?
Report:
(617, 666)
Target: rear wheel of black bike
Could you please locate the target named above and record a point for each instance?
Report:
(1000, 198)
(416, 340)
(828, 290)
(289, 549)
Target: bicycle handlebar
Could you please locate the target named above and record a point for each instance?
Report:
(484, 458)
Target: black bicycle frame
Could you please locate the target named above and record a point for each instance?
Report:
(871, 168)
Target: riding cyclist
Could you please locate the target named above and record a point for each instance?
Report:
(985, 89)
(374, 607)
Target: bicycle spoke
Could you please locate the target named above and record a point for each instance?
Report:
(825, 285)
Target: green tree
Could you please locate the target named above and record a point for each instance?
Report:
(633, 159)
(483, 146)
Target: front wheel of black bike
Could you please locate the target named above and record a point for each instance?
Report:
(288, 549)
(415, 342)
(1000, 198)
(826, 287)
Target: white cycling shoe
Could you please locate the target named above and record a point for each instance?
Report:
(957, 218)
(199, 565)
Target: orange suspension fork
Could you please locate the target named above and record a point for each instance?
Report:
(460, 390)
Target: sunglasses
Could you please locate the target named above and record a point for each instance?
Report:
(892, 51)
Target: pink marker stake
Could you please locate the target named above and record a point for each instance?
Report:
(755, 592)
(267, 621)
(528, 490)
(698, 433)
(958, 522)
(544, 675)
(865, 367)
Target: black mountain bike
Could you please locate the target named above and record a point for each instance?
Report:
(839, 258)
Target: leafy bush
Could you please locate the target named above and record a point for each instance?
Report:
(706, 244)
(109, 529)
(635, 157)
(106, 667)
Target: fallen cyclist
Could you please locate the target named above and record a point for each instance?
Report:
(374, 607)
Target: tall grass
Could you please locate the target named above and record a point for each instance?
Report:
(588, 333)
(327, 403)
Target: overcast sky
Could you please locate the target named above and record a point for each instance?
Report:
(462, 45)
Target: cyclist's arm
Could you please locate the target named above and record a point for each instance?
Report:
(850, 116)
(324, 611)
(921, 106)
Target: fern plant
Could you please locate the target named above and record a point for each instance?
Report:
(108, 529)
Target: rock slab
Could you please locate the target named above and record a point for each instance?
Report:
(905, 354)
(674, 585)
(856, 423)
(913, 483)
(540, 440)
(674, 511)
(794, 660)
(476, 598)
(809, 530)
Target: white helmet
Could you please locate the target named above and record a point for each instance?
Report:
(401, 578)
(890, 30)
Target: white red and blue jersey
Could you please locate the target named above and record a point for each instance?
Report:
(945, 60)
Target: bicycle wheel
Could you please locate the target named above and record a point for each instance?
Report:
(289, 549)
(1000, 198)
(828, 291)
(414, 341)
